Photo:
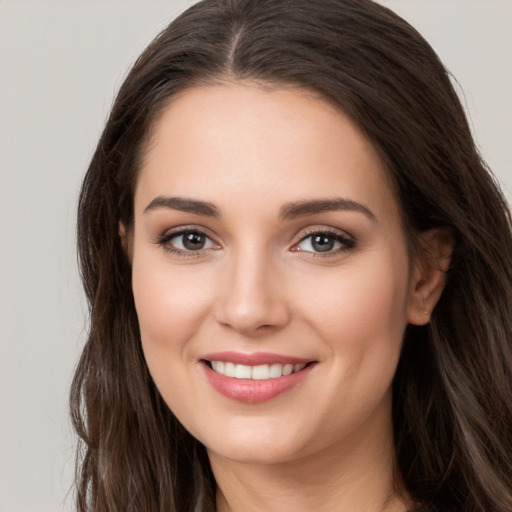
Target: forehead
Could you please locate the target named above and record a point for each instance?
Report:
(240, 140)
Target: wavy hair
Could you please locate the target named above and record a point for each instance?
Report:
(452, 397)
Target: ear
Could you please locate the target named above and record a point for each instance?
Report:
(123, 236)
(429, 274)
(125, 239)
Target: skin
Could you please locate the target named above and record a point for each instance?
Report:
(259, 285)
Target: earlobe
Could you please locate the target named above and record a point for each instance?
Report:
(429, 274)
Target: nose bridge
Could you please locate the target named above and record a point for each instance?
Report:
(252, 298)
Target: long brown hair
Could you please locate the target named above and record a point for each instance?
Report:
(452, 407)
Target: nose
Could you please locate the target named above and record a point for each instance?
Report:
(252, 300)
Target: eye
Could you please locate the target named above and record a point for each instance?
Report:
(187, 241)
(324, 242)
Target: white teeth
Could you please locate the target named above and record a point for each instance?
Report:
(243, 372)
(287, 369)
(276, 370)
(260, 372)
(229, 369)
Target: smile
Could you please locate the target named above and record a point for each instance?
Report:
(259, 372)
(254, 378)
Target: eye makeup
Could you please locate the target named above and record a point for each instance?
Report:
(192, 241)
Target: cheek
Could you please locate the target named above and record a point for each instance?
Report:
(362, 309)
(170, 302)
(361, 319)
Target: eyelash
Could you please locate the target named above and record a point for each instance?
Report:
(164, 241)
(346, 242)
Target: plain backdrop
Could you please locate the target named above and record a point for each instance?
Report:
(60, 65)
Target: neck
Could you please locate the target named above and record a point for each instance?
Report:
(358, 474)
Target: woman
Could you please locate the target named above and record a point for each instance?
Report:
(299, 274)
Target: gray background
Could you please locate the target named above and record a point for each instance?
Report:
(60, 65)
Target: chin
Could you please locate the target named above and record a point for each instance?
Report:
(259, 444)
(255, 455)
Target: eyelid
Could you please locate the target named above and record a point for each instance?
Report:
(164, 239)
(346, 240)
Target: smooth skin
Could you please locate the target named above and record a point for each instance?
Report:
(245, 273)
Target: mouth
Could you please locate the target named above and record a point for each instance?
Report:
(258, 372)
(233, 375)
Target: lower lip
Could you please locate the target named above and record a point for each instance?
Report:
(253, 391)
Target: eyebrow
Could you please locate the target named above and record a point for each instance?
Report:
(304, 208)
(288, 212)
(184, 205)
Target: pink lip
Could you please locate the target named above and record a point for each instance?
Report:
(253, 359)
(254, 391)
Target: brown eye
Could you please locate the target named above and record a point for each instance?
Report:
(193, 241)
(324, 242)
(187, 242)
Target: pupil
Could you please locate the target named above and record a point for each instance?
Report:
(193, 241)
(322, 243)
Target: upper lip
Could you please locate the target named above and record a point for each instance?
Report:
(253, 359)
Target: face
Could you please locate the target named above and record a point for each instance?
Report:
(270, 273)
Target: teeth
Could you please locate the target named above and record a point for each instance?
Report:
(243, 372)
(287, 369)
(229, 369)
(276, 370)
(260, 372)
